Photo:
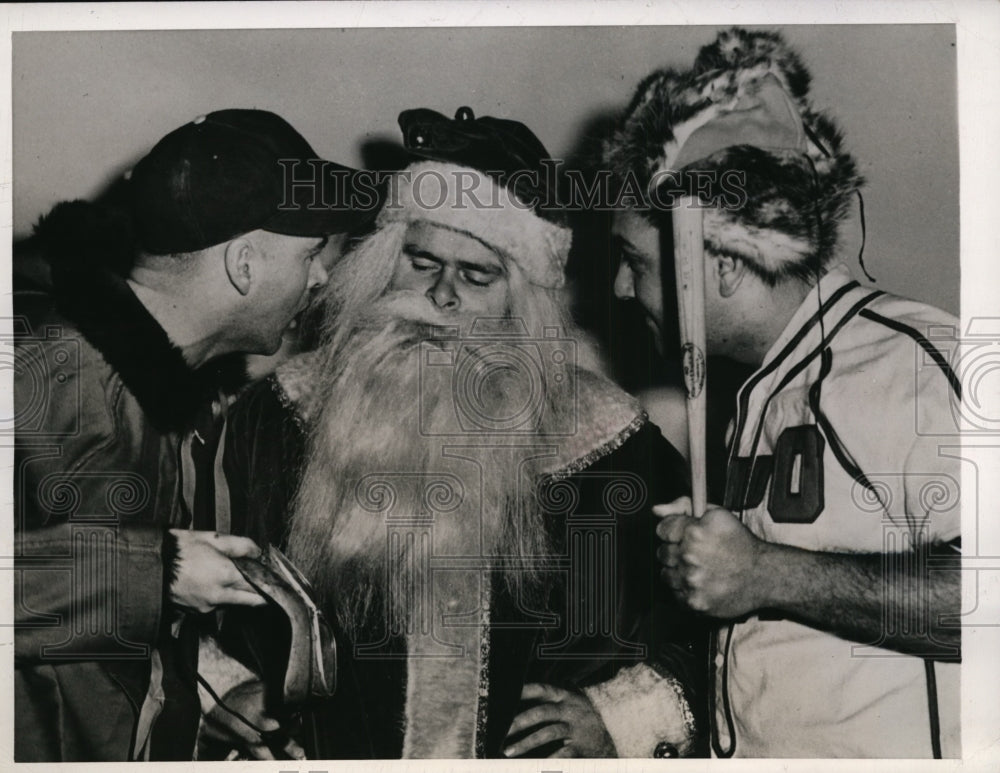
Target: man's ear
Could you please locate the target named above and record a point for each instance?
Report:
(239, 264)
(727, 274)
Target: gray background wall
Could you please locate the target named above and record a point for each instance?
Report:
(87, 105)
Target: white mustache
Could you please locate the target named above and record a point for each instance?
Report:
(409, 306)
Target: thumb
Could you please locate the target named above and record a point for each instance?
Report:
(680, 506)
(542, 692)
(236, 547)
(717, 519)
(672, 527)
(294, 750)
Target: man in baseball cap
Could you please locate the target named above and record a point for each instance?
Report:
(245, 190)
(227, 218)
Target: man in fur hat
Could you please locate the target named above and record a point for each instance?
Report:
(116, 375)
(470, 494)
(830, 567)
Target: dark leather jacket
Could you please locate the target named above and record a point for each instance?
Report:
(103, 405)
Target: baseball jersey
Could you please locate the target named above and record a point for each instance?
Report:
(845, 440)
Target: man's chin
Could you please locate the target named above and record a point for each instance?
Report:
(292, 328)
(284, 342)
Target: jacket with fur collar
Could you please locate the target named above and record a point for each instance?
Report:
(104, 402)
(83, 254)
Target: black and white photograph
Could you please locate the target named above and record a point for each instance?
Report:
(406, 381)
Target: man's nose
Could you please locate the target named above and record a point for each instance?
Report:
(442, 293)
(624, 285)
(317, 274)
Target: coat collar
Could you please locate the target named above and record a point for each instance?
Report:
(114, 321)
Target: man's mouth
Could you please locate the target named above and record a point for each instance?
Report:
(294, 324)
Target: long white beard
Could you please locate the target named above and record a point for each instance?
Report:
(389, 470)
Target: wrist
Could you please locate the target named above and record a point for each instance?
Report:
(170, 558)
(770, 568)
(643, 711)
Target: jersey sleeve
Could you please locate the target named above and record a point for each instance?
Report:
(932, 470)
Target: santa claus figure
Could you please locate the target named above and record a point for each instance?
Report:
(467, 493)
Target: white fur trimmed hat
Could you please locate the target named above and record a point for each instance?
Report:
(485, 176)
(738, 130)
(471, 201)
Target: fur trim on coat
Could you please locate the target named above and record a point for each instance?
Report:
(81, 245)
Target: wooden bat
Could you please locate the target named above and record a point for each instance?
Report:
(690, 270)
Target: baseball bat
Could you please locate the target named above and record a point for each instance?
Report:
(689, 267)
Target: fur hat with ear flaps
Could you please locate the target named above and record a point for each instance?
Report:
(738, 129)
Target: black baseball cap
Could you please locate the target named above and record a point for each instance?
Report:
(235, 171)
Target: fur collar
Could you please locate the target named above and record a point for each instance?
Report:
(112, 320)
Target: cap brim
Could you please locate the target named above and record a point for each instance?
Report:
(328, 198)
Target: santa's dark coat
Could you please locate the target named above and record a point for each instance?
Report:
(365, 719)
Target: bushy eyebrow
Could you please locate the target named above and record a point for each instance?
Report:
(465, 265)
(482, 268)
(416, 252)
(620, 241)
(318, 248)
